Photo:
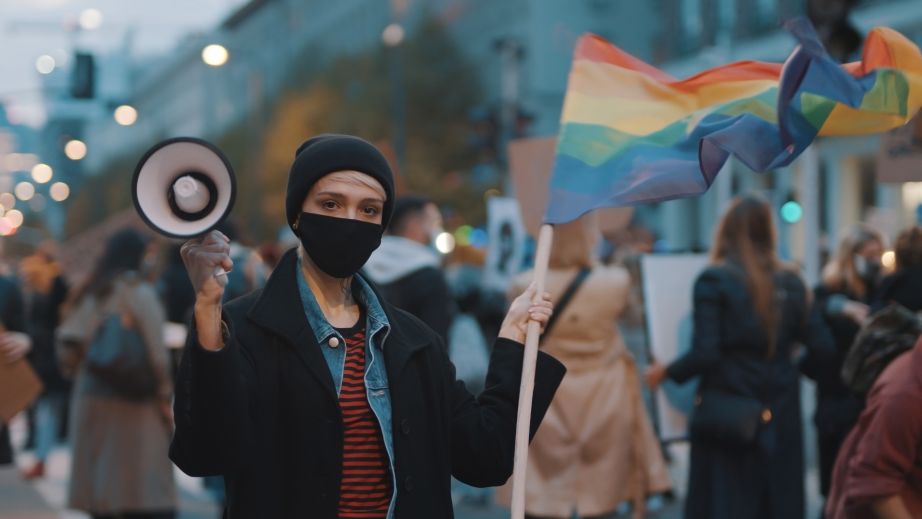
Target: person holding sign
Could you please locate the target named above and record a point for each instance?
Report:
(315, 397)
(14, 345)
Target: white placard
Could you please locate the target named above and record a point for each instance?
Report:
(506, 250)
(668, 281)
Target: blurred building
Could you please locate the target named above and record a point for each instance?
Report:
(522, 49)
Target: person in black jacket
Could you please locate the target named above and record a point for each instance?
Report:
(749, 315)
(843, 298)
(407, 267)
(46, 292)
(313, 396)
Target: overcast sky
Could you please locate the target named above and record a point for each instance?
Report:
(31, 28)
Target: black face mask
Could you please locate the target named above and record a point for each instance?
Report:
(338, 246)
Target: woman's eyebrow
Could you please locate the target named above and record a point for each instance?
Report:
(332, 194)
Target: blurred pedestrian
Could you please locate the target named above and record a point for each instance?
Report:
(878, 474)
(904, 285)
(314, 397)
(175, 289)
(750, 312)
(249, 272)
(843, 298)
(45, 294)
(596, 448)
(407, 267)
(14, 345)
(119, 432)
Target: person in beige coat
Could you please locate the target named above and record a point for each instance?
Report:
(596, 447)
(119, 468)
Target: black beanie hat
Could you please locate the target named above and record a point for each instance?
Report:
(327, 153)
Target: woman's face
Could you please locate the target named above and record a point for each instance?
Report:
(347, 194)
(871, 251)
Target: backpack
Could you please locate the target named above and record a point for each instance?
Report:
(889, 333)
(117, 355)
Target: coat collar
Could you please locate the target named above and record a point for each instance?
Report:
(279, 309)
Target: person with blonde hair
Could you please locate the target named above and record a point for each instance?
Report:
(843, 297)
(596, 448)
(750, 314)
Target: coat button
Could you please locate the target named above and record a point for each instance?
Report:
(408, 484)
(405, 426)
(333, 342)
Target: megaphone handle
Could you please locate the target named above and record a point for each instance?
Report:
(220, 276)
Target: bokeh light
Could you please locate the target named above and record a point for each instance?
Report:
(90, 19)
(24, 191)
(463, 235)
(125, 115)
(445, 242)
(75, 149)
(59, 191)
(791, 212)
(393, 35)
(41, 173)
(215, 55)
(14, 217)
(44, 64)
(888, 260)
(7, 200)
(479, 238)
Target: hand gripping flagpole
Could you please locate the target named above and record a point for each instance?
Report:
(542, 256)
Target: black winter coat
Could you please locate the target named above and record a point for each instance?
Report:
(837, 408)
(426, 295)
(730, 353)
(263, 412)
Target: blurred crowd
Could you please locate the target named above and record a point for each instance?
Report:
(758, 329)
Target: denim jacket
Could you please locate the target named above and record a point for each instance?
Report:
(376, 386)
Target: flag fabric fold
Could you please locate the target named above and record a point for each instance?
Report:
(631, 134)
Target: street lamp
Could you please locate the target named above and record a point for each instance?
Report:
(125, 115)
(392, 37)
(215, 55)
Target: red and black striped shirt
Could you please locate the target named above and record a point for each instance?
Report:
(365, 491)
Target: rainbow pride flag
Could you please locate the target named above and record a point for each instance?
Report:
(631, 134)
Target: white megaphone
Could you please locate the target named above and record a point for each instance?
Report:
(183, 187)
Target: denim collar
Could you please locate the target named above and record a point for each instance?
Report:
(376, 319)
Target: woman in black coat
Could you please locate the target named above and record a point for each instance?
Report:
(843, 299)
(750, 313)
(270, 392)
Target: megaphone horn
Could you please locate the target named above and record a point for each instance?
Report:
(183, 187)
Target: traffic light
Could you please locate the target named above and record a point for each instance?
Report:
(791, 211)
(830, 17)
(83, 80)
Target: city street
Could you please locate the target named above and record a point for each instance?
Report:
(45, 499)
